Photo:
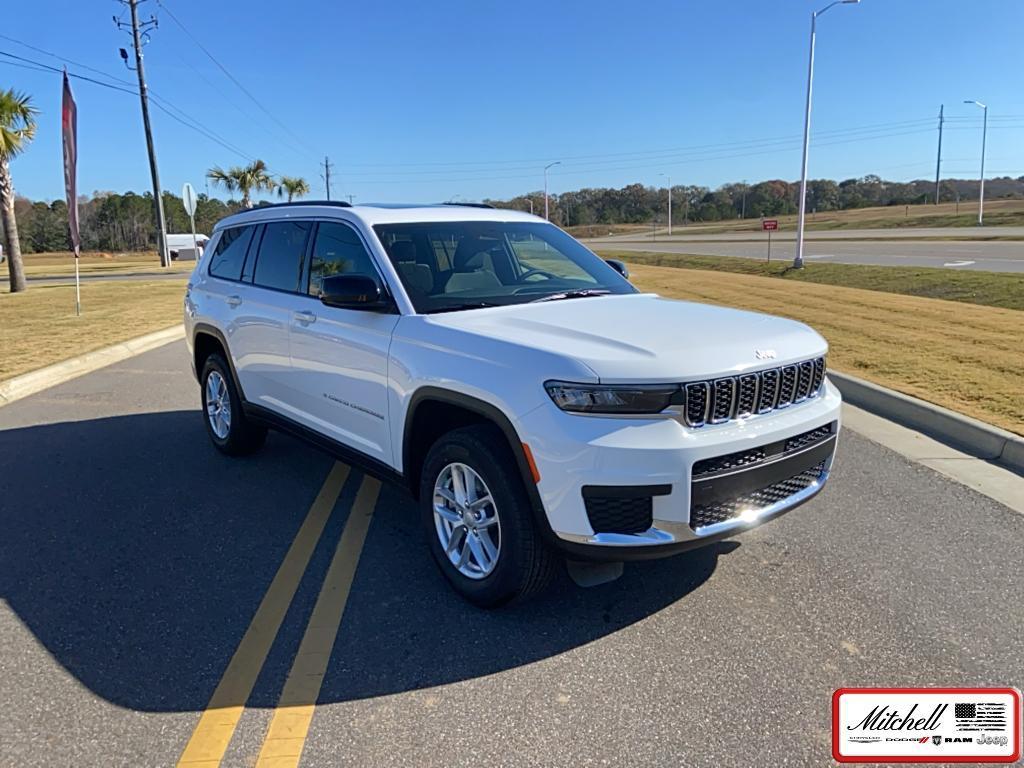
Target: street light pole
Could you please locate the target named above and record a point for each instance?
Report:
(798, 262)
(984, 131)
(549, 165)
(669, 180)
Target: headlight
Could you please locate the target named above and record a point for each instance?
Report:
(611, 398)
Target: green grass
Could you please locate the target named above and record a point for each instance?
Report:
(990, 289)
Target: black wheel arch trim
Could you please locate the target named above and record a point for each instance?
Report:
(210, 330)
(495, 415)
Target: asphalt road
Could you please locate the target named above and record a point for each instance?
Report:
(101, 278)
(988, 255)
(133, 557)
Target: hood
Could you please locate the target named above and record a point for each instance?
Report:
(640, 338)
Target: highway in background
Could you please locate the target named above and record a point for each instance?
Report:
(988, 255)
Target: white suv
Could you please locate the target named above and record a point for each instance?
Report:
(528, 396)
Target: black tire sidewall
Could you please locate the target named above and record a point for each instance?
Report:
(233, 442)
(479, 448)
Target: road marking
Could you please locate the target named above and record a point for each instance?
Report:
(288, 729)
(821, 256)
(958, 263)
(217, 725)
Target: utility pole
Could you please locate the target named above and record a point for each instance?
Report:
(326, 175)
(938, 160)
(158, 201)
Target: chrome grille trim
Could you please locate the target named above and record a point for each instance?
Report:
(698, 398)
(727, 398)
(723, 400)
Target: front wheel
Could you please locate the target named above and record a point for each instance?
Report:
(226, 424)
(478, 519)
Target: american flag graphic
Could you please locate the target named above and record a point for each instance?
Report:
(980, 716)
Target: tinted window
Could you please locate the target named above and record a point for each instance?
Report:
(337, 251)
(282, 250)
(227, 260)
(450, 265)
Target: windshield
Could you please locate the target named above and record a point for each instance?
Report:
(452, 265)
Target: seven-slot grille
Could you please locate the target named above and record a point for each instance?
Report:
(731, 397)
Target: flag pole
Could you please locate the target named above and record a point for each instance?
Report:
(78, 289)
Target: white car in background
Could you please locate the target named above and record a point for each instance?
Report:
(182, 246)
(529, 397)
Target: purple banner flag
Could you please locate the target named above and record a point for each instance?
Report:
(69, 132)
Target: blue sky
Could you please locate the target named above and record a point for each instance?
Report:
(468, 98)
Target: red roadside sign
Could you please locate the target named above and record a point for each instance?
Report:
(769, 225)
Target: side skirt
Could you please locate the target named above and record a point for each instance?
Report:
(349, 455)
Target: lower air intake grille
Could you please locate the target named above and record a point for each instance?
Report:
(729, 509)
(610, 514)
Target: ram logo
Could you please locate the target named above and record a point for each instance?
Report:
(764, 354)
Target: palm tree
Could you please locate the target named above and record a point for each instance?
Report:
(246, 179)
(293, 186)
(17, 127)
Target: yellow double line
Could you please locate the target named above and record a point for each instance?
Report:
(290, 724)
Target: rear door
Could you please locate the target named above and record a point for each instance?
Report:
(340, 356)
(260, 343)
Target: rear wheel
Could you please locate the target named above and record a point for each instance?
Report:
(478, 519)
(226, 424)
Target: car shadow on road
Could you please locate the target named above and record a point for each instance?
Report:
(136, 556)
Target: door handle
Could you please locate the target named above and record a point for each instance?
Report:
(305, 317)
(234, 301)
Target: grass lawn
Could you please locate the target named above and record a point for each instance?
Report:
(992, 289)
(38, 327)
(964, 357)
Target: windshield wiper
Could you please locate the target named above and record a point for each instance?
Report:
(580, 293)
(465, 305)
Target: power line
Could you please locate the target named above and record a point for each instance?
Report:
(162, 104)
(232, 78)
(653, 152)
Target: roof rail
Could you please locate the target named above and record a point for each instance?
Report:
(334, 203)
(470, 205)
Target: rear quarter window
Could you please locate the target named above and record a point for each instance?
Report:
(229, 256)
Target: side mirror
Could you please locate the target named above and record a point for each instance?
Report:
(354, 292)
(618, 266)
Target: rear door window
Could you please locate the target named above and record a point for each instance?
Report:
(337, 251)
(281, 253)
(228, 258)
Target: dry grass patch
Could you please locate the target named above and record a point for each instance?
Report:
(38, 327)
(964, 357)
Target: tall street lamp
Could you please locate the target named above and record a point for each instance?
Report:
(549, 165)
(798, 262)
(984, 130)
(669, 180)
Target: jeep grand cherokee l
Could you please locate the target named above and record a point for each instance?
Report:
(529, 397)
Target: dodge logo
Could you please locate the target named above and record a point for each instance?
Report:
(764, 354)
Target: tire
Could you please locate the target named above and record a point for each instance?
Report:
(236, 435)
(524, 563)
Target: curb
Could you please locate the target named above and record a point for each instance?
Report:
(44, 378)
(971, 435)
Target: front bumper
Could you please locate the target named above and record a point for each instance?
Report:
(574, 451)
